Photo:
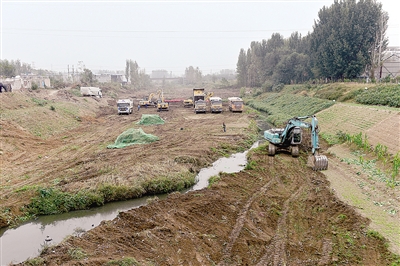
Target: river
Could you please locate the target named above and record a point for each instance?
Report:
(27, 240)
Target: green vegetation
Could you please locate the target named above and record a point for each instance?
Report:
(214, 179)
(375, 234)
(77, 253)
(381, 95)
(34, 262)
(393, 162)
(165, 184)
(124, 262)
(53, 201)
(322, 54)
(250, 165)
(39, 102)
(281, 107)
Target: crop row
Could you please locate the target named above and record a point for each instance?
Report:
(383, 95)
(281, 107)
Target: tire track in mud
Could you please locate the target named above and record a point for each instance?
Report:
(239, 225)
(276, 254)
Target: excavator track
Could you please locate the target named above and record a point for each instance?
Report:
(319, 162)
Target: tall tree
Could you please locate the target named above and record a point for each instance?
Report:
(379, 46)
(87, 77)
(193, 75)
(127, 70)
(343, 36)
(7, 69)
(134, 73)
(292, 68)
(241, 68)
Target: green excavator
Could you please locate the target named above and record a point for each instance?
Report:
(290, 137)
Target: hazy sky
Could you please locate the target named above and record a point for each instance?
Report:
(170, 35)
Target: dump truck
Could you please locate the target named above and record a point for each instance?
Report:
(91, 91)
(235, 104)
(198, 94)
(200, 106)
(125, 106)
(215, 104)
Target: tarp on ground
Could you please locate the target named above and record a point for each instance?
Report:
(132, 136)
(150, 120)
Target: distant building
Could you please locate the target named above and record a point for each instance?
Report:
(106, 78)
(391, 63)
(159, 74)
(26, 81)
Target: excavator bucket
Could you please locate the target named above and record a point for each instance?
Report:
(319, 162)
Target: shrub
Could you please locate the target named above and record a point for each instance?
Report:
(388, 95)
(34, 86)
(53, 201)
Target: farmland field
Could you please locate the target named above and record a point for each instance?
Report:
(381, 125)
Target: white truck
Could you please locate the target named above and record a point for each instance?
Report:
(91, 91)
(125, 106)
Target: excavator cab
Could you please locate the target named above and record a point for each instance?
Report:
(296, 136)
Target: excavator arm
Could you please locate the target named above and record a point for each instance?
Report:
(291, 136)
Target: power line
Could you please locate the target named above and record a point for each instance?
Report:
(153, 31)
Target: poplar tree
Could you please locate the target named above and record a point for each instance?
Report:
(241, 68)
(344, 36)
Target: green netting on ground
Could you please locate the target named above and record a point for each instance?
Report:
(132, 136)
(150, 120)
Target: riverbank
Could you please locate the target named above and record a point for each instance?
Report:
(59, 162)
(277, 210)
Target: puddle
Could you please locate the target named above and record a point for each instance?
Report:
(26, 241)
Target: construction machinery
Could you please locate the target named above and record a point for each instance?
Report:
(161, 104)
(290, 137)
(125, 106)
(198, 94)
(215, 104)
(148, 101)
(235, 104)
(200, 106)
(188, 103)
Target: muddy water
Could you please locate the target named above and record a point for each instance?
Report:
(26, 241)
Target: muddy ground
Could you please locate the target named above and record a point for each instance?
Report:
(69, 151)
(276, 212)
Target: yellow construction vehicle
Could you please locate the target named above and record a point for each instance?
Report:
(209, 95)
(148, 101)
(161, 104)
(188, 103)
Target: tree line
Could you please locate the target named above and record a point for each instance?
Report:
(348, 39)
